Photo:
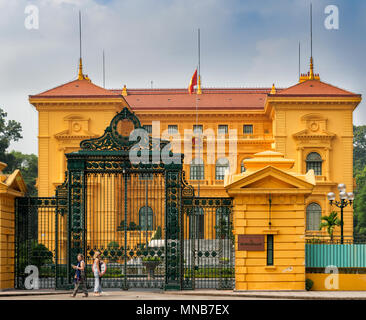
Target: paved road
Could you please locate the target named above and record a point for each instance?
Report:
(128, 295)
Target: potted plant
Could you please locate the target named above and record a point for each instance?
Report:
(150, 263)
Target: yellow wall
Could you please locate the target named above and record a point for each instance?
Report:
(270, 200)
(7, 231)
(10, 187)
(346, 282)
(63, 123)
(323, 125)
(251, 217)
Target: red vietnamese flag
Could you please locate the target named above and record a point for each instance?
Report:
(193, 82)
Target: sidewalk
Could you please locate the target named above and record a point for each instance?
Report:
(15, 293)
(302, 295)
(307, 295)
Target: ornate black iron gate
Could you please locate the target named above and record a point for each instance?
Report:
(208, 242)
(41, 240)
(141, 216)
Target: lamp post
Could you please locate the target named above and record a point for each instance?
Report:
(345, 200)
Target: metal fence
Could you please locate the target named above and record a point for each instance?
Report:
(347, 254)
(208, 244)
(324, 239)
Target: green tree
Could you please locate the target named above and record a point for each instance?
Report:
(359, 173)
(157, 235)
(28, 165)
(10, 130)
(330, 222)
(359, 149)
(359, 204)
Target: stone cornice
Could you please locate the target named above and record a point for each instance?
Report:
(308, 136)
(74, 137)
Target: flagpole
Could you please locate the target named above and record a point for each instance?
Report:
(199, 134)
(103, 70)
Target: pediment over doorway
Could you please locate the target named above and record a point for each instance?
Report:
(271, 178)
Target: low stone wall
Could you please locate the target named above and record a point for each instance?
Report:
(11, 186)
(339, 282)
(7, 231)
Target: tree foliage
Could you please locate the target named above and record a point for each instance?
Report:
(330, 222)
(359, 149)
(28, 165)
(359, 172)
(10, 131)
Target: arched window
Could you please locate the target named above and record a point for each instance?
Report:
(197, 224)
(146, 218)
(314, 161)
(197, 169)
(222, 226)
(222, 165)
(313, 216)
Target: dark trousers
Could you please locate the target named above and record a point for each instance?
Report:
(80, 284)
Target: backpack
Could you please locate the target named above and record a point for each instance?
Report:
(102, 268)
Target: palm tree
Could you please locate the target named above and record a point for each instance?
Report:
(330, 222)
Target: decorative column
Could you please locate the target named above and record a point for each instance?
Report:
(76, 222)
(174, 274)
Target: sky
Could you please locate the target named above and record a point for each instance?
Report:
(244, 43)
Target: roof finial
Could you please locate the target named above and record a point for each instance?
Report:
(311, 73)
(199, 90)
(273, 90)
(124, 91)
(80, 75)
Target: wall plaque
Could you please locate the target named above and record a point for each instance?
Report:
(251, 242)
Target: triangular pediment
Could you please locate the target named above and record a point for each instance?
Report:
(304, 134)
(15, 182)
(67, 134)
(270, 178)
(270, 182)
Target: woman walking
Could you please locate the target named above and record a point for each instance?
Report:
(97, 274)
(80, 279)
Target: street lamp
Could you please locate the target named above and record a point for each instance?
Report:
(345, 200)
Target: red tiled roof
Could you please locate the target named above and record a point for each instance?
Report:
(314, 88)
(76, 88)
(180, 99)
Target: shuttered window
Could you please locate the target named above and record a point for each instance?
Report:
(270, 250)
(172, 129)
(248, 129)
(223, 129)
(222, 166)
(313, 216)
(197, 170)
(148, 128)
(314, 161)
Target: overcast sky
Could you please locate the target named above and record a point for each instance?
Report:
(244, 43)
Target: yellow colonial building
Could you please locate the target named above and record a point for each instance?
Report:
(274, 152)
(310, 122)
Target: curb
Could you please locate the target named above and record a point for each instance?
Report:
(22, 294)
(272, 296)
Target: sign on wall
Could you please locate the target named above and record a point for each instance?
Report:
(251, 242)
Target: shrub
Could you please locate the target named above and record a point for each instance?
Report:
(308, 284)
(151, 259)
(112, 247)
(157, 235)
